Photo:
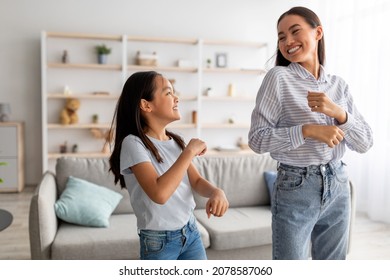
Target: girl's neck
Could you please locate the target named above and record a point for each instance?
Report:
(159, 135)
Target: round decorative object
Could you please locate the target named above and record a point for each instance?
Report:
(5, 219)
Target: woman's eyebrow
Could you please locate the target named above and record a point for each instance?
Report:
(291, 27)
(294, 25)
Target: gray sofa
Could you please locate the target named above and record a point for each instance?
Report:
(244, 232)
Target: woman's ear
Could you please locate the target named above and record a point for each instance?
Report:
(320, 33)
(145, 106)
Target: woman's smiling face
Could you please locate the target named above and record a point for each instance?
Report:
(298, 41)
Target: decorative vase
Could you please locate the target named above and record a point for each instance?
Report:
(102, 58)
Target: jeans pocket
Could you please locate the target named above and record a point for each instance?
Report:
(152, 244)
(289, 181)
(341, 174)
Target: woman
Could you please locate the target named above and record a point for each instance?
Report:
(156, 167)
(306, 118)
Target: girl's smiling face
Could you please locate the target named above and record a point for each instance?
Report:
(165, 102)
(298, 41)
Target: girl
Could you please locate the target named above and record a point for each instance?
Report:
(306, 118)
(155, 166)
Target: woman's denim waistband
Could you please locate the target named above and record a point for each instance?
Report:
(329, 167)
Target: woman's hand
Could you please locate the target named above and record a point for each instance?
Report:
(217, 204)
(321, 103)
(331, 135)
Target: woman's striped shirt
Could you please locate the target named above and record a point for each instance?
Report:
(282, 109)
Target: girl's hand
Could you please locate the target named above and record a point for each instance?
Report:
(197, 147)
(329, 134)
(321, 103)
(217, 204)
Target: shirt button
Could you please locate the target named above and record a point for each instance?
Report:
(322, 168)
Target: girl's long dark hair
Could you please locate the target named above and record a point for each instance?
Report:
(313, 20)
(128, 119)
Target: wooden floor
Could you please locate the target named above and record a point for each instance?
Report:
(370, 240)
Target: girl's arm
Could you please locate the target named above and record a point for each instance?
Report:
(217, 204)
(160, 188)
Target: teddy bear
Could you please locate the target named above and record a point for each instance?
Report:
(69, 113)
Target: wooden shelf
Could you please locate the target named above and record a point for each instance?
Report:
(115, 67)
(82, 96)
(67, 35)
(78, 126)
(162, 40)
(163, 68)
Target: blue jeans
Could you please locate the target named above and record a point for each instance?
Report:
(311, 207)
(182, 244)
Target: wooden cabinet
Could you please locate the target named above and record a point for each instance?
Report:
(11, 157)
(221, 118)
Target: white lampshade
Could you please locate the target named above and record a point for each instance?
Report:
(5, 112)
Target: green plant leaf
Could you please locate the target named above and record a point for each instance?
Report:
(102, 49)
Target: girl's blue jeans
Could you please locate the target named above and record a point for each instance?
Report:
(182, 244)
(311, 212)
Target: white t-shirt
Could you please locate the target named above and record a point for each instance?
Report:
(176, 212)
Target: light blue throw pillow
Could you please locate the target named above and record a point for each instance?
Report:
(270, 178)
(86, 204)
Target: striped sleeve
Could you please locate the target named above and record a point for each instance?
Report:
(264, 135)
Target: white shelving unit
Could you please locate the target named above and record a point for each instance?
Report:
(221, 119)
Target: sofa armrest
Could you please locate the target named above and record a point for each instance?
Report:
(43, 222)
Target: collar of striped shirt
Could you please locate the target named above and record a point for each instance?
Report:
(303, 73)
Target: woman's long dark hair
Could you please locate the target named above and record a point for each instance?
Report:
(128, 119)
(313, 20)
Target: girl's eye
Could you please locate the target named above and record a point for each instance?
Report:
(281, 39)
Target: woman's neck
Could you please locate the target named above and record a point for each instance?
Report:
(313, 68)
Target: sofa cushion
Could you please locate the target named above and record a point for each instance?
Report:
(119, 241)
(241, 177)
(204, 235)
(239, 228)
(95, 170)
(85, 203)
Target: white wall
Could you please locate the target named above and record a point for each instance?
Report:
(21, 22)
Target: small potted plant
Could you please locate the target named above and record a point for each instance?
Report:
(95, 118)
(208, 63)
(102, 52)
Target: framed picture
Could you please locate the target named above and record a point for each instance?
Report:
(221, 60)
